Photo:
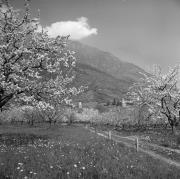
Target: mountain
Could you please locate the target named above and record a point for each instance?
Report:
(106, 76)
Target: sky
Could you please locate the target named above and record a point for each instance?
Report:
(144, 32)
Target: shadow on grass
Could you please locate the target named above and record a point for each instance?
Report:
(19, 139)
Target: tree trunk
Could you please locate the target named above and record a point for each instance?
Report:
(5, 100)
(174, 131)
(31, 122)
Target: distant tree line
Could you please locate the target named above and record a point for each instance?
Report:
(117, 102)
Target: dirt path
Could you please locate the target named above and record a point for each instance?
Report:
(130, 143)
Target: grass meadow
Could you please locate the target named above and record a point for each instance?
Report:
(70, 152)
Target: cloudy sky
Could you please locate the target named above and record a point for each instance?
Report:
(144, 32)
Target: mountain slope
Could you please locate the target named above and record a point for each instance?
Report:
(106, 76)
(105, 61)
(102, 87)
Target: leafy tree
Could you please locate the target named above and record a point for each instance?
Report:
(33, 67)
(160, 94)
(114, 102)
(53, 111)
(107, 103)
(118, 103)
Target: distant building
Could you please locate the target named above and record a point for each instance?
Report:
(123, 103)
(80, 105)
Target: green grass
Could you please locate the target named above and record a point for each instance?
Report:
(72, 152)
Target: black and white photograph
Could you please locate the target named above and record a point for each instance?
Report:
(89, 89)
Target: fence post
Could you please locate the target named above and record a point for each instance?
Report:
(137, 144)
(109, 135)
(95, 130)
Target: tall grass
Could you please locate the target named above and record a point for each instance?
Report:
(72, 152)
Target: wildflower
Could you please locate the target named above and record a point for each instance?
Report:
(75, 165)
(21, 170)
(83, 168)
(25, 177)
(51, 166)
(68, 173)
(20, 164)
(18, 168)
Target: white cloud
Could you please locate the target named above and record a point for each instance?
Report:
(77, 30)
